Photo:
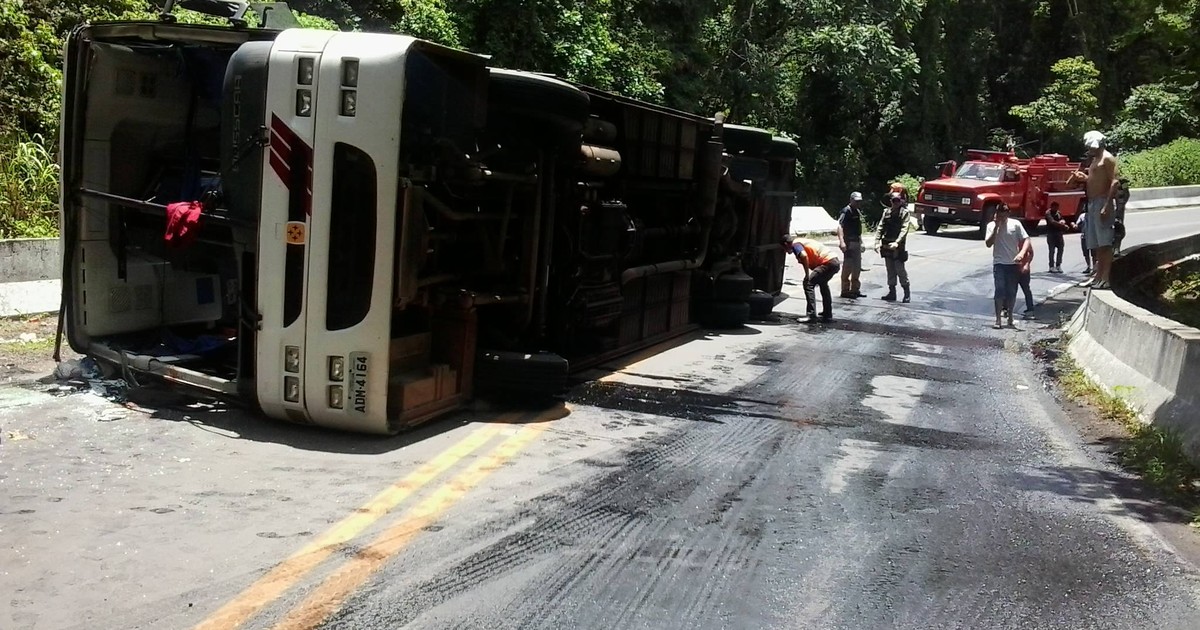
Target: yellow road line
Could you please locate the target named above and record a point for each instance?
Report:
(329, 597)
(278, 580)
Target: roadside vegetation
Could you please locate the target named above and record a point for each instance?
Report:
(1173, 293)
(1182, 295)
(28, 189)
(1154, 454)
(1176, 163)
(868, 89)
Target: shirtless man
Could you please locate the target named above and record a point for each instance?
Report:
(1102, 185)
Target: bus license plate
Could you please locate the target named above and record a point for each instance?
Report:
(359, 370)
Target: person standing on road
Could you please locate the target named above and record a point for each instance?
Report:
(850, 242)
(820, 264)
(1056, 228)
(1009, 243)
(890, 243)
(1080, 225)
(1024, 275)
(1101, 179)
(1119, 226)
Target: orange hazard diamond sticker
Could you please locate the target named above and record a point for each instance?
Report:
(294, 234)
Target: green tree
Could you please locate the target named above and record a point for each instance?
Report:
(1154, 114)
(29, 75)
(1067, 107)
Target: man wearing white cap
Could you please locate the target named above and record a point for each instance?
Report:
(1101, 195)
(850, 241)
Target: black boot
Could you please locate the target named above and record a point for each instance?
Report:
(907, 295)
(891, 295)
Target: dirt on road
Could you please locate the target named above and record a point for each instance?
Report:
(27, 347)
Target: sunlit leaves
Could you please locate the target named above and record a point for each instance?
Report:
(1067, 107)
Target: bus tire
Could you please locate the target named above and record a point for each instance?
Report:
(507, 374)
(539, 104)
(761, 304)
(733, 287)
(723, 315)
(749, 140)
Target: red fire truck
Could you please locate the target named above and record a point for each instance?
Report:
(969, 194)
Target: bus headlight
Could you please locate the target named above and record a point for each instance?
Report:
(335, 396)
(304, 103)
(305, 71)
(350, 72)
(337, 369)
(291, 359)
(349, 102)
(291, 389)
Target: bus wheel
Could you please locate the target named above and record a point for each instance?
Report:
(538, 104)
(723, 314)
(761, 304)
(519, 374)
(733, 287)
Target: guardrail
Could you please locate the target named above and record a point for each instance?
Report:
(30, 269)
(1150, 361)
(1166, 197)
(26, 259)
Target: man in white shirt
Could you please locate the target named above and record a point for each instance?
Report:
(1010, 244)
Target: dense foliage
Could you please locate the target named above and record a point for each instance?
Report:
(868, 89)
(1176, 163)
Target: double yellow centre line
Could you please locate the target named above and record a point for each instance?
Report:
(331, 594)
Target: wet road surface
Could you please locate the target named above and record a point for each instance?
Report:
(901, 467)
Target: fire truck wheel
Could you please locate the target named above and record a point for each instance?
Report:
(761, 304)
(734, 287)
(1031, 227)
(932, 225)
(751, 140)
(723, 314)
(542, 103)
(989, 215)
(505, 374)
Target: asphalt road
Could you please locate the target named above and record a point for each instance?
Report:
(901, 467)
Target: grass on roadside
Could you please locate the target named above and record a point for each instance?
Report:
(1157, 455)
(1182, 297)
(26, 339)
(28, 188)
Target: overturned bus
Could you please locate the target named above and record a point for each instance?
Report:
(365, 231)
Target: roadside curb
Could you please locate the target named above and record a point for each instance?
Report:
(1148, 360)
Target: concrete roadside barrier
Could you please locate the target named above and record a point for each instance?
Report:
(1166, 197)
(1150, 361)
(30, 269)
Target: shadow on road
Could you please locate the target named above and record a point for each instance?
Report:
(240, 423)
(1099, 488)
(960, 234)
